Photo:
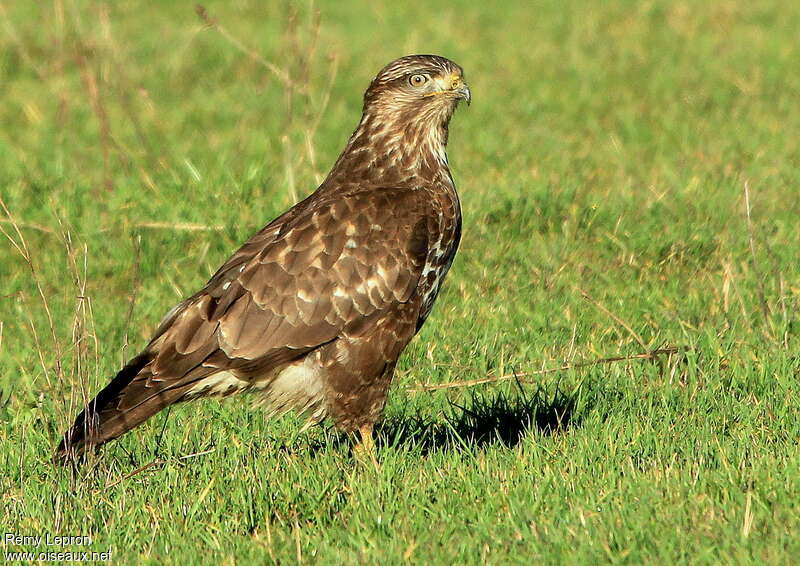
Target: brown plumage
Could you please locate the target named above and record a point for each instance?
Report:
(314, 310)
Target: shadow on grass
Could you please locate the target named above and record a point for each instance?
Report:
(485, 419)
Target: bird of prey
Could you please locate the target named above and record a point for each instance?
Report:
(313, 311)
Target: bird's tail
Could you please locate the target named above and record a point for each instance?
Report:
(130, 399)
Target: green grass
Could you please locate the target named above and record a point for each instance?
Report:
(606, 154)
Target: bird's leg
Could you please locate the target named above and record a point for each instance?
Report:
(366, 448)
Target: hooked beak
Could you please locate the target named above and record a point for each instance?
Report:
(460, 88)
(464, 93)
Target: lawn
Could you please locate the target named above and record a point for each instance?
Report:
(629, 175)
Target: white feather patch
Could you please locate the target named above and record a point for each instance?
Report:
(222, 383)
(297, 387)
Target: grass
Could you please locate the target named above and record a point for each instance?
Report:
(629, 175)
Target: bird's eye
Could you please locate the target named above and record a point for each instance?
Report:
(417, 80)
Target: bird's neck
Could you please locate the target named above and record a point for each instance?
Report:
(381, 152)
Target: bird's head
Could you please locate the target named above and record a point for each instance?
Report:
(402, 135)
(427, 86)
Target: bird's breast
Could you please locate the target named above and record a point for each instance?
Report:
(441, 252)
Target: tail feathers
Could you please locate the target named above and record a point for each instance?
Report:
(129, 400)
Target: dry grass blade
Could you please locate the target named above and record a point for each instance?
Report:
(28, 225)
(19, 44)
(652, 355)
(151, 464)
(93, 81)
(762, 295)
(282, 75)
(616, 318)
(184, 226)
(22, 248)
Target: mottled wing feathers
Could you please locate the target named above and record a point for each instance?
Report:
(327, 268)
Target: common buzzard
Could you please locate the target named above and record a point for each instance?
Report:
(314, 310)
